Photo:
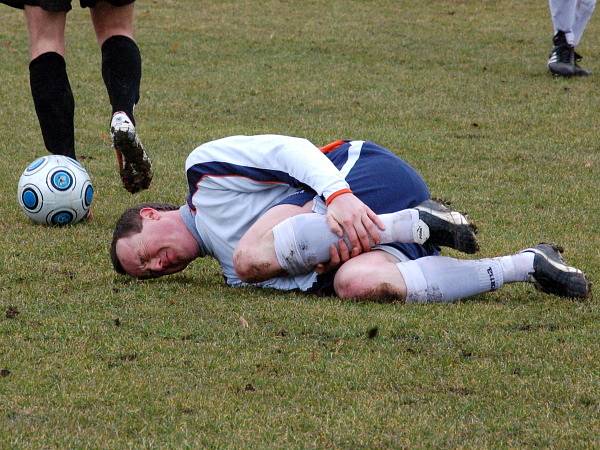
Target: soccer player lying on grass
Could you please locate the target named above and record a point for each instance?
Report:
(350, 219)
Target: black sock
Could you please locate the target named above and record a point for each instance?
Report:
(122, 73)
(559, 38)
(54, 103)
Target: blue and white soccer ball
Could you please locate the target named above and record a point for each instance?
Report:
(55, 190)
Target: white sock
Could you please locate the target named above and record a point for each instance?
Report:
(517, 267)
(443, 279)
(303, 241)
(404, 226)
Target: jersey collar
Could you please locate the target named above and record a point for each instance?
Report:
(190, 223)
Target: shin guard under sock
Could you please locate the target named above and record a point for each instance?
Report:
(304, 240)
(54, 103)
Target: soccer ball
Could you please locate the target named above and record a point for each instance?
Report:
(55, 190)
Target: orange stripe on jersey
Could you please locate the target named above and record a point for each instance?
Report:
(332, 146)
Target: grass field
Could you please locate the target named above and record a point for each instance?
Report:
(460, 89)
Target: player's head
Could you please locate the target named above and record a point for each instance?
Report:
(151, 240)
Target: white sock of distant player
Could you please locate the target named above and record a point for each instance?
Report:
(584, 11)
(443, 279)
(303, 241)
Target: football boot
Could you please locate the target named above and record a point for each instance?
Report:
(134, 164)
(448, 228)
(552, 275)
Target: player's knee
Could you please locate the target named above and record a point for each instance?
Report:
(345, 287)
(362, 282)
(250, 265)
(242, 262)
(353, 281)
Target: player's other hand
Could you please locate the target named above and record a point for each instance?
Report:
(347, 214)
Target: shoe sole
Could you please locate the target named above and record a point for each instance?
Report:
(448, 228)
(567, 281)
(136, 173)
(561, 69)
(581, 72)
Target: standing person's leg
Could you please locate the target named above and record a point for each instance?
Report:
(563, 60)
(379, 275)
(585, 9)
(121, 59)
(583, 13)
(562, 13)
(50, 87)
(122, 73)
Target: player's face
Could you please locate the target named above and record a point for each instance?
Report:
(164, 246)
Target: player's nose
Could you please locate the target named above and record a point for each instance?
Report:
(155, 264)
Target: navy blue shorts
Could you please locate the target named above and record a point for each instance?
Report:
(60, 5)
(385, 183)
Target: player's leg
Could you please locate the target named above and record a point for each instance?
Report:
(392, 189)
(562, 13)
(443, 279)
(372, 275)
(121, 59)
(584, 11)
(291, 240)
(255, 257)
(50, 87)
(302, 241)
(112, 18)
(383, 181)
(122, 73)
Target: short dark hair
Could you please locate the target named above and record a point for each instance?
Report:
(130, 223)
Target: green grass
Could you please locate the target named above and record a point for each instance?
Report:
(459, 89)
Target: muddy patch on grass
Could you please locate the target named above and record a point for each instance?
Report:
(12, 312)
(533, 327)
(372, 332)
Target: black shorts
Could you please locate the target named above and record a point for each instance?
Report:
(60, 5)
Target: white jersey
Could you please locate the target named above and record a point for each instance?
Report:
(233, 181)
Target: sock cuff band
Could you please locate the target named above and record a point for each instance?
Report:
(118, 40)
(414, 280)
(48, 60)
(286, 248)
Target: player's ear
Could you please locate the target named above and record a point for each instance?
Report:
(149, 213)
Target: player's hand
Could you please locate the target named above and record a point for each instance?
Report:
(348, 214)
(337, 256)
